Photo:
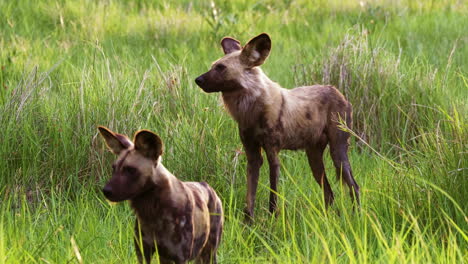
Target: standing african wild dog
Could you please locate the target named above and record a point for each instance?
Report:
(184, 220)
(274, 118)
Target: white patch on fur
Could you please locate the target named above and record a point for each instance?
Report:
(254, 56)
(159, 171)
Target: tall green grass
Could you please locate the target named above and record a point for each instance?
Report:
(68, 66)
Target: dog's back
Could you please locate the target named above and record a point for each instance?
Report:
(207, 210)
(301, 116)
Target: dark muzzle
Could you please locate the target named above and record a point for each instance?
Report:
(200, 80)
(107, 190)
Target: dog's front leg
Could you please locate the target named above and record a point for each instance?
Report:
(143, 247)
(254, 162)
(274, 163)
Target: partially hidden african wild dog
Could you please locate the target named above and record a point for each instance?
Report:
(274, 118)
(183, 220)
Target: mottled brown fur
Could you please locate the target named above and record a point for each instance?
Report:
(183, 220)
(274, 118)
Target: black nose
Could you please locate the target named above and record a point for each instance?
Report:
(107, 191)
(199, 80)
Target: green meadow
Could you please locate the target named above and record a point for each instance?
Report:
(68, 66)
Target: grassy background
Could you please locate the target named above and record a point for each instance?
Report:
(68, 66)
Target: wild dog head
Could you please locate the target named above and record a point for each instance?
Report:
(134, 171)
(238, 67)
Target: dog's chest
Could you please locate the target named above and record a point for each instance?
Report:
(266, 135)
(172, 230)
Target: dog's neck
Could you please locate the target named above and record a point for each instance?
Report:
(259, 97)
(158, 195)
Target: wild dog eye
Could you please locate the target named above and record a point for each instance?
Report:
(220, 67)
(129, 170)
(113, 167)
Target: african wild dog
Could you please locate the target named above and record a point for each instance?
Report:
(184, 220)
(274, 118)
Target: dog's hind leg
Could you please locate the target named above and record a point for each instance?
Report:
(315, 158)
(338, 140)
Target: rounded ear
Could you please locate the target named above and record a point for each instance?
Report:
(256, 51)
(115, 142)
(230, 45)
(148, 144)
